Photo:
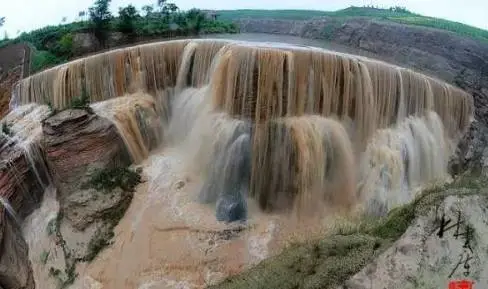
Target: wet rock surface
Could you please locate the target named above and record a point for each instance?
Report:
(228, 183)
(87, 206)
(22, 179)
(15, 267)
(88, 160)
(423, 259)
(232, 207)
(77, 144)
(472, 151)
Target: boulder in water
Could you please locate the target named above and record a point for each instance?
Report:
(231, 201)
(231, 207)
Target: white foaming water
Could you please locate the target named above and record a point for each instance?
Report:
(6, 205)
(40, 242)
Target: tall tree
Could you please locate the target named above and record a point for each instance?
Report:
(127, 18)
(161, 3)
(167, 8)
(148, 10)
(81, 15)
(100, 17)
(171, 7)
(195, 19)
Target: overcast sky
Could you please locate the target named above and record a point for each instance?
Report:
(25, 15)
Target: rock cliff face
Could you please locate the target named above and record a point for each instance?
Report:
(15, 267)
(77, 144)
(20, 184)
(80, 147)
(458, 60)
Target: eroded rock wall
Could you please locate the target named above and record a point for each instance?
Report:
(77, 144)
(15, 267)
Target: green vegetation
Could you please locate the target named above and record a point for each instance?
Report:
(53, 45)
(64, 279)
(394, 14)
(275, 14)
(69, 275)
(107, 180)
(7, 129)
(328, 262)
(127, 19)
(43, 257)
(52, 110)
(100, 20)
(42, 59)
(100, 240)
(82, 102)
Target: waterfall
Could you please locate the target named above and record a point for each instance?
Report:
(264, 129)
(321, 127)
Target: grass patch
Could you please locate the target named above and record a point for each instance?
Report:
(52, 110)
(311, 265)
(107, 180)
(82, 102)
(328, 262)
(100, 240)
(7, 129)
(103, 235)
(69, 275)
(42, 59)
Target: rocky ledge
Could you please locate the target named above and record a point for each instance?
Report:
(83, 158)
(22, 184)
(89, 163)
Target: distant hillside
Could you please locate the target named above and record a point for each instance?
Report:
(399, 15)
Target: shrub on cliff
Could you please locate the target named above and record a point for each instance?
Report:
(100, 17)
(127, 20)
(108, 180)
